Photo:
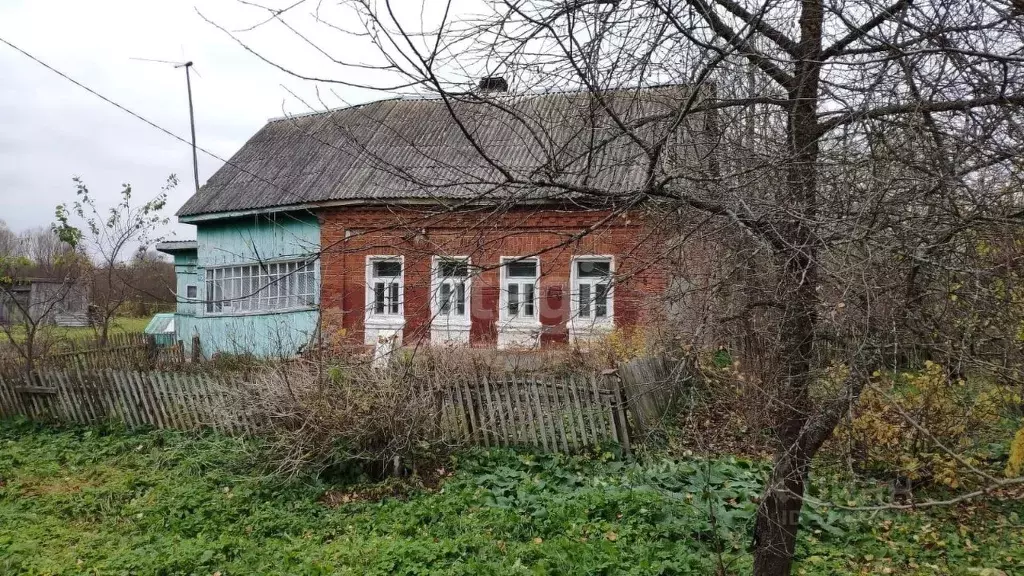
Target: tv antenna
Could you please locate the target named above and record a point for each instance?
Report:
(191, 113)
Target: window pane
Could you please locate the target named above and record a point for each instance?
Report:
(378, 298)
(394, 298)
(190, 291)
(589, 269)
(526, 269)
(528, 299)
(584, 301)
(601, 301)
(453, 269)
(387, 269)
(460, 299)
(444, 298)
(513, 299)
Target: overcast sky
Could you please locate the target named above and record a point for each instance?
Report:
(51, 130)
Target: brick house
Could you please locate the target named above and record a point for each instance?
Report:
(397, 218)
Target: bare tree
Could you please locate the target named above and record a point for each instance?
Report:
(8, 240)
(110, 237)
(860, 149)
(47, 252)
(29, 306)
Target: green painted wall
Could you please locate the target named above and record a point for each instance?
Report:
(249, 240)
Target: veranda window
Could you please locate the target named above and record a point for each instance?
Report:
(260, 287)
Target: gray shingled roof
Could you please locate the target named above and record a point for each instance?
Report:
(406, 149)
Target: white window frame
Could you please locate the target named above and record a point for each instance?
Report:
(386, 318)
(503, 315)
(195, 292)
(581, 324)
(451, 319)
(255, 297)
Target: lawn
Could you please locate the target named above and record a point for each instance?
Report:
(118, 325)
(104, 501)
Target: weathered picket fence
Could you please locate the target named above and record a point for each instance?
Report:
(184, 401)
(125, 351)
(566, 415)
(557, 415)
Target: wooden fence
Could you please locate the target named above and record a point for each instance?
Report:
(184, 401)
(126, 351)
(560, 415)
(566, 415)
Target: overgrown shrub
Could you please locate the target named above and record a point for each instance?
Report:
(961, 416)
(318, 418)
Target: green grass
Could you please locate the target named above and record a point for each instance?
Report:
(120, 325)
(101, 501)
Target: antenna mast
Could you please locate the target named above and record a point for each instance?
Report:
(192, 122)
(191, 112)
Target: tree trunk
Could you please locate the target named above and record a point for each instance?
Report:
(778, 516)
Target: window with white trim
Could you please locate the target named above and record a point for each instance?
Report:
(451, 289)
(190, 292)
(519, 289)
(385, 286)
(592, 289)
(260, 287)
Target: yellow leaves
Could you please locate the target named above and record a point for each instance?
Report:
(1015, 464)
(949, 409)
(611, 536)
(538, 540)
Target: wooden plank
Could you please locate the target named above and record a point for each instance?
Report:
(540, 413)
(482, 410)
(124, 403)
(525, 419)
(187, 408)
(65, 384)
(61, 404)
(569, 415)
(8, 408)
(205, 388)
(558, 416)
(527, 402)
(199, 393)
(623, 423)
(598, 412)
(472, 413)
(487, 408)
(574, 398)
(137, 405)
(83, 396)
(184, 383)
(141, 388)
(467, 431)
(168, 400)
(144, 387)
(507, 433)
(107, 397)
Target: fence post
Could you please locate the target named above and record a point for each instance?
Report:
(197, 351)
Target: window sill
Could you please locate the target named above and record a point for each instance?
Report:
(386, 322)
(374, 326)
(519, 324)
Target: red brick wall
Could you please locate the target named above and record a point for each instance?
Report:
(349, 235)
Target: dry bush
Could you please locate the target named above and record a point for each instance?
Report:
(317, 417)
